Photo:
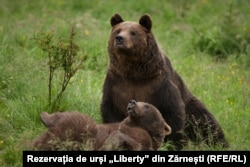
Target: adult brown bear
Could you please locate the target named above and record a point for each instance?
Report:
(143, 129)
(138, 69)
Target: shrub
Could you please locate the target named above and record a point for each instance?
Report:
(226, 38)
(62, 55)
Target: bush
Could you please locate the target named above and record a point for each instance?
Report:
(62, 55)
(226, 38)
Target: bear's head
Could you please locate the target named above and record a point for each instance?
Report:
(148, 117)
(68, 124)
(132, 47)
(130, 38)
(66, 131)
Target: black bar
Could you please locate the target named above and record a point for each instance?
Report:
(139, 158)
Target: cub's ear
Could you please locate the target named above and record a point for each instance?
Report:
(116, 19)
(168, 129)
(146, 22)
(49, 120)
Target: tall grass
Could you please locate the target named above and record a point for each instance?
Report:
(223, 86)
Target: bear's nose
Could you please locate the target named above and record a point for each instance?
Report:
(131, 105)
(132, 102)
(119, 39)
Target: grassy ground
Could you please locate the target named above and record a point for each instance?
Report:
(178, 25)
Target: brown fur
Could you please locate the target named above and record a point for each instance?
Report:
(75, 131)
(138, 69)
(66, 131)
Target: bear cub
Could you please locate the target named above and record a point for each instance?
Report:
(143, 129)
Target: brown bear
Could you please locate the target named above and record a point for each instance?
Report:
(139, 69)
(75, 131)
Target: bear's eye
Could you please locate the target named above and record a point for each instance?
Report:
(132, 33)
(146, 106)
(118, 31)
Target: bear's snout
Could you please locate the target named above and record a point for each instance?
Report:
(132, 102)
(131, 105)
(119, 40)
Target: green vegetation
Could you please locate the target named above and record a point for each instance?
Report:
(63, 56)
(208, 42)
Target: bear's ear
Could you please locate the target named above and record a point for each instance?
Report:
(116, 19)
(146, 22)
(168, 129)
(47, 119)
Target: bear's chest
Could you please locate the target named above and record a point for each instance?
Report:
(124, 91)
(127, 91)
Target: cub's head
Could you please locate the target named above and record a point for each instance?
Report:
(148, 117)
(75, 123)
(66, 131)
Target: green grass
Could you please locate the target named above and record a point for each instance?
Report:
(222, 85)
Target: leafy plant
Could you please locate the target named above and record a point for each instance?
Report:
(62, 55)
